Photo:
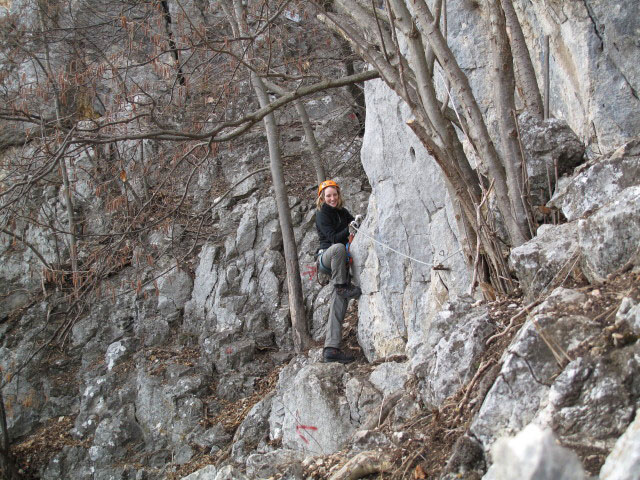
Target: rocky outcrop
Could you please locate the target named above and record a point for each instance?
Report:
(451, 351)
(408, 212)
(528, 367)
(601, 237)
(594, 82)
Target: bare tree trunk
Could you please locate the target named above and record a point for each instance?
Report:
(312, 143)
(525, 74)
(8, 469)
(504, 89)
(310, 136)
(301, 338)
(356, 90)
(73, 249)
(294, 281)
(478, 132)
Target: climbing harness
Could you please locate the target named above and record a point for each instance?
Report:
(321, 266)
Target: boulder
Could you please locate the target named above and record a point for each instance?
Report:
(546, 259)
(629, 313)
(267, 465)
(533, 454)
(599, 182)
(551, 148)
(363, 398)
(206, 473)
(113, 435)
(174, 290)
(317, 417)
(610, 238)
(452, 347)
(253, 432)
(593, 400)
(119, 352)
(389, 377)
(70, 462)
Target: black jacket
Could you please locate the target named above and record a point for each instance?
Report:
(333, 225)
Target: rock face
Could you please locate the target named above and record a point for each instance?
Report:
(551, 149)
(601, 237)
(594, 82)
(146, 371)
(317, 417)
(408, 213)
(600, 183)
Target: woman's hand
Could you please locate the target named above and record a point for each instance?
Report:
(354, 226)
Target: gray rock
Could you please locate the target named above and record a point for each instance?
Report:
(71, 462)
(546, 259)
(389, 377)
(253, 431)
(268, 464)
(112, 436)
(215, 436)
(363, 398)
(611, 237)
(174, 290)
(206, 473)
(596, 186)
(364, 440)
(447, 359)
(118, 352)
(593, 80)
(593, 400)
(278, 408)
(629, 313)
(232, 355)
(408, 217)
(623, 463)
(529, 366)
(316, 415)
(550, 147)
(404, 410)
(533, 454)
(229, 472)
(168, 406)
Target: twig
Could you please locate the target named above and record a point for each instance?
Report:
(513, 319)
(483, 367)
(557, 351)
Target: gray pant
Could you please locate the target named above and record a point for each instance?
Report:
(335, 258)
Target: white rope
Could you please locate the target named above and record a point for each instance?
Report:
(358, 230)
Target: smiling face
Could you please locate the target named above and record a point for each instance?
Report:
(331, 196)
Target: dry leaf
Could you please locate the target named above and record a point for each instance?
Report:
(419, 473)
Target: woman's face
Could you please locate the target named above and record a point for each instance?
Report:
(331, 196)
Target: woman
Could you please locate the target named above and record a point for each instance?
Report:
(332, 223)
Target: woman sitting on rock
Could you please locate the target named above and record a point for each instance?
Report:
(332, 222)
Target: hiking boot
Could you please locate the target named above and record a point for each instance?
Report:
(348, 291)
(330, 354)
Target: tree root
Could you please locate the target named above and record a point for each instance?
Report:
(363, 464)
